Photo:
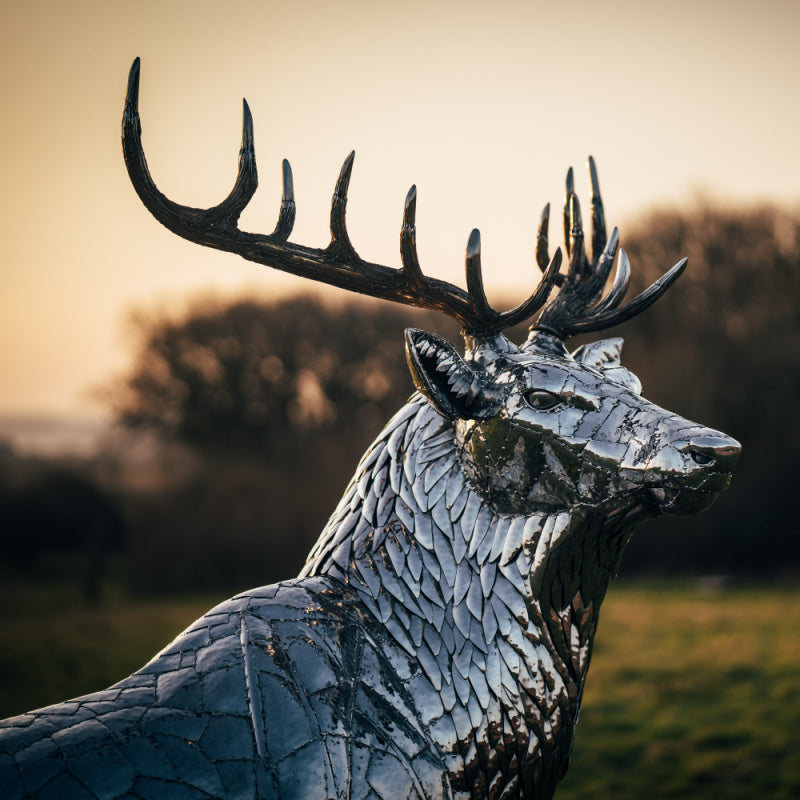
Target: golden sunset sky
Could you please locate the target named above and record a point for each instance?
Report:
(482, 105)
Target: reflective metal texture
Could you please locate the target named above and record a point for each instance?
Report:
(437, 641)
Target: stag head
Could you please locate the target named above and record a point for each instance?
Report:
(539, 428)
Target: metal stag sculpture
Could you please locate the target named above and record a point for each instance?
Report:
(437, 641)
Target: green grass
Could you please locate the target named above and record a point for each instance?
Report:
(690, 694)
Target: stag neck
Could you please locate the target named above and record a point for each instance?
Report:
(453, 581)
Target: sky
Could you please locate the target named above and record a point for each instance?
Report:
(482, 106)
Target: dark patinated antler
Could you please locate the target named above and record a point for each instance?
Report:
(338, 264)
(580, 307)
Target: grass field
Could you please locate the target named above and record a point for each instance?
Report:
(691, 693)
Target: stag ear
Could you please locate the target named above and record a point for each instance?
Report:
(605, 355)
(451, 386)
(600, 355)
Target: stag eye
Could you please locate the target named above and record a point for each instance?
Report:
(542, 400)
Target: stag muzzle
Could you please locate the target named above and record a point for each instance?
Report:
(691, 470)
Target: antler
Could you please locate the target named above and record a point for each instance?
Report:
(578, 307)
(338, 264)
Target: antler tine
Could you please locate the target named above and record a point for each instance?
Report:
(578, 265)
(619, 288)
(285, 223)
(641, 302)
(246, 177)
(477, 296)
(190, 223)
(598, 214)
(339, 235)
(542, 247)
(573, 230)
(568, 192)
(542, 244)
(408, 243)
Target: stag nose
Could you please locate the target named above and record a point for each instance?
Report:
(711, 451)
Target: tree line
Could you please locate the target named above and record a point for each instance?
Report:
(274, 402)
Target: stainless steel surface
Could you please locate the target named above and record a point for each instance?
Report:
(437, 641)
